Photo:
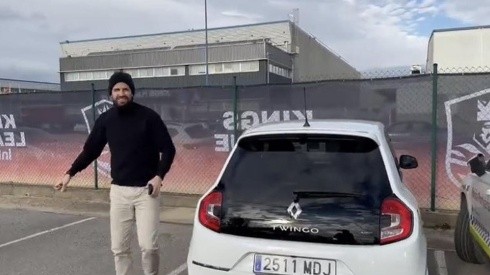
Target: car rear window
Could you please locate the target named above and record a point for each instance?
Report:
(283, 164)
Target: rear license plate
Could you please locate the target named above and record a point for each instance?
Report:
(272, 264)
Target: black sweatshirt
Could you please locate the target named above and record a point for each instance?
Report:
(136, 136)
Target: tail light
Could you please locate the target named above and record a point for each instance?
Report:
(396, 221)
(209, 211)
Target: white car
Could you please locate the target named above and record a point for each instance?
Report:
(320, 198)
(472, 233)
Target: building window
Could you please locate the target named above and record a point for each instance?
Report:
(197, 69)
(161, 72)
(181, 70)
(71, 77)
(169, 71)
(216, 68)
(176, 71)
(231, 68)
(133, 72)
(249, 66)
(279, 71)
(101, 75)
(146, 72)
(85, 76)
(225, 68)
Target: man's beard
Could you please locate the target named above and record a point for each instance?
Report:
(122, 106)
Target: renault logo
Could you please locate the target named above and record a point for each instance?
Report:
(294, 210)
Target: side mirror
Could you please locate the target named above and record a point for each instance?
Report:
(408, 162)
(477, 165)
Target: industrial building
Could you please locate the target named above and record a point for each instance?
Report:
(14, 86)
(460, 50)
(266, 53)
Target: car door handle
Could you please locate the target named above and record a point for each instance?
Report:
(488, 192)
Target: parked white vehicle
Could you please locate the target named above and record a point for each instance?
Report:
(472, 233)
(320, 198)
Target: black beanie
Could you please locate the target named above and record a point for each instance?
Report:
(121, 77)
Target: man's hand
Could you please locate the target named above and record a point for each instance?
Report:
(157, 184)
(61, 186)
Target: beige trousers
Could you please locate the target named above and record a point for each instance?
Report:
(130, 205)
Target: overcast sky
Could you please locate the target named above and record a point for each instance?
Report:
(366, 33)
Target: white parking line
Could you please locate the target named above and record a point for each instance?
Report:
(441, 262)
(44, 232)
(178, 270)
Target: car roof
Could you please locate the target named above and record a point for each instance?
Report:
(347, 126)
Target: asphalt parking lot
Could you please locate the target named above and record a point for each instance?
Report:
(33, 242)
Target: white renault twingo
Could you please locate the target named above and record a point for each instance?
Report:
(324, 197)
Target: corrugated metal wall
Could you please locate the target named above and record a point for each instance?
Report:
(314, 62)
(468, 50)
(276, 32)
(29, 85)
(223, 53)
(279, 57)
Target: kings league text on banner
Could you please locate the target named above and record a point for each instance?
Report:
(11, 138)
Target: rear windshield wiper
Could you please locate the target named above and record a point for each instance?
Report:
(322, 194)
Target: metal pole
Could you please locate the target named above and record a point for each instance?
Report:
(206, 30)
(267, 69)
(434, 140)
(235, 109)
(96, 178)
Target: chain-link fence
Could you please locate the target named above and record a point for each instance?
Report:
(462, 100)
(42, 133)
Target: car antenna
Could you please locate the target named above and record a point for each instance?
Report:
(306, 114)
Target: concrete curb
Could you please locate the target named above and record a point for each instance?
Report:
(176, 208)
(439, 219)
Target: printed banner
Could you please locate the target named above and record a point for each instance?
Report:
(42, 134)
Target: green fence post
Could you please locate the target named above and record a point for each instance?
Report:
(96, 178)
(434, 140)
(235, 110)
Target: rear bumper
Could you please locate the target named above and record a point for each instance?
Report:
(226, 254)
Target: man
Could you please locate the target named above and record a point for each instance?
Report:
(142, 153)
